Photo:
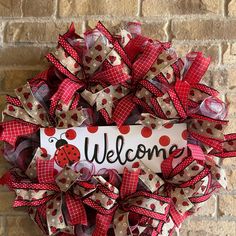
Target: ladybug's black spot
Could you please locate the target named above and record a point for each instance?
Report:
(60, 143)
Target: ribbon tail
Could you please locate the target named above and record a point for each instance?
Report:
(45, 171)
(64, 93)
(123, 110)
(103, 223)
(55, 218)
(198, 67)
(166, 165)
(121, 223)
(11, 130)
(76, 210)
(5, 179)
(129, 177)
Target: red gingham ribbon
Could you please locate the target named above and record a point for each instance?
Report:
(76, 210)
(113, 76)
(102, 224)
(11, 130)
(198, 68)
(129, 183)
(142, 65)
(134, 46)
(64, 93)
(45, 171)
(124, 107)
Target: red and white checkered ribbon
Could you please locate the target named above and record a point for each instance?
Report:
(50, 194)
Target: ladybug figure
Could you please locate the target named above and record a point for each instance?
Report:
(66, 154)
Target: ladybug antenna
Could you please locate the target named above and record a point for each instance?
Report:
(51, 139)
(61, 135)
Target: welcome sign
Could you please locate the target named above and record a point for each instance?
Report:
(112, 147)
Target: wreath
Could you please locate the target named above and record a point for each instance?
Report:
(104, 79)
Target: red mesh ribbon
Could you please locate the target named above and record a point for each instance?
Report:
(36, 195)
(113, 76)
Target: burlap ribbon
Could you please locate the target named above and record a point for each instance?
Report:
(30, 115)
(46, 194)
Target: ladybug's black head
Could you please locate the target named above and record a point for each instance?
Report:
(60, 143)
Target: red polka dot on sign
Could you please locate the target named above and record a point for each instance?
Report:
(92, 129)
(50, 131)
(185, 134)
(164, 140)
(168, 126)
(146, 132)
(70, 134)
(124, 129)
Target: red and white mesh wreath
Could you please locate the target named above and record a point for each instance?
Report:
(105, 79)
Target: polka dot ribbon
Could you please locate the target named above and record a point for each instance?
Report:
(45, 189)
(117, 75)
(161, 203)
(107, 74)
(31, 115)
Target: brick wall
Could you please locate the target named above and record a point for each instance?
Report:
(29, 28)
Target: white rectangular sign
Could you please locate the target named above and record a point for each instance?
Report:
(112, 147)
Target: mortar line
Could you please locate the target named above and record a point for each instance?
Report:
(21, 9)
(55, 15)
(174, 41)
(169, 30)
(107, 17)
(220, 54)
(140, 3)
